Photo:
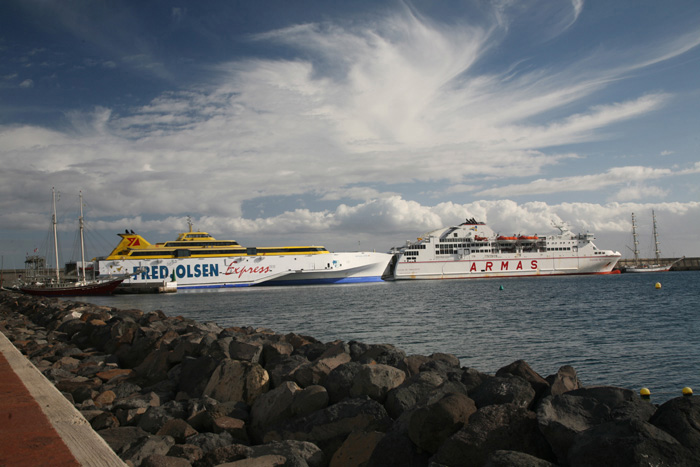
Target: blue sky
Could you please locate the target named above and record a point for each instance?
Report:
(350, 124)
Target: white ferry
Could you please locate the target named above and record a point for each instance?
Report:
(473, 250)
(197, 260)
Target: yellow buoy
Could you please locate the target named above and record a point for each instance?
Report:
(645, 393)
(658, 285)
(687, 391)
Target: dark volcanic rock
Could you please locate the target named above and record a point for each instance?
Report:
(515, 458)
(329, 427)
(506, 389)
(492, 428)
(680, 417)
(561, 418)
(628, 442)
(430, 426)
(522, 369)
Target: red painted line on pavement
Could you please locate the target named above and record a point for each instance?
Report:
(27, 438)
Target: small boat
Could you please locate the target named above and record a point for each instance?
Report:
(639, 266)
(506, 240)
(56, 286)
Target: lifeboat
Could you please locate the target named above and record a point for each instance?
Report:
(527, 238)
(506, 240)
(480, 239)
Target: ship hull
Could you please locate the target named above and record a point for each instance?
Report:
(101, 288)
(244, 271)
(649, 269)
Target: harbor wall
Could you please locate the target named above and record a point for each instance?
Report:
(165, 390)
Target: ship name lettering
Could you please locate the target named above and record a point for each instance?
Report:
(181, 271)
(233, 270)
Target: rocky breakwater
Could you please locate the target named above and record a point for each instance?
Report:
(171, 391)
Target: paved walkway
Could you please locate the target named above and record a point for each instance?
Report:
(38, 426)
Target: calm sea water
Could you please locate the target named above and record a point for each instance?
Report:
(617, 330)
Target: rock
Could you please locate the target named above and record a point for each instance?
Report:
(515, 458)
(233, 426)
(309, 400)
(376, 381)
(158, 460)
(395, 449)
(563, 381)
(412, 363)
(270, 460)
(340, 380)
(472, 378)
(156, 417)
(177, 429)
(103, 421)
(152, 445)
(522, 369)
(412, 390)
(272, 407)
(111, 374)
(385, 354)
(189, 452)
(314, 372)
(195, 373)
(562, 417)
(237, 381)
(506, 389)
(356, 449)
(122, 438)
(494, 427)
(224, 455)
(273, 350)
(297, 453)
(329, 427)
(680, 417)
(245, 351)
(154, 367)
(281, 368)
(431, 425)
(628, 442)
(210, 441)
(105, 398)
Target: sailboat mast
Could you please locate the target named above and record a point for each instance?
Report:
(55, 233)
(636, 242)
(656, 239)
(82, 243)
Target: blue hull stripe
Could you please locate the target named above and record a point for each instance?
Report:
(338, 280)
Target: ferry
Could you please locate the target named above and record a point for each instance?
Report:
(196, 260)
(473, 250)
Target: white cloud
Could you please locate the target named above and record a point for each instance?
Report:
(26, 84)
(361, 110)
(611, 177)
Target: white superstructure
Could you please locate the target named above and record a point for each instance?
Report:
(473, 250)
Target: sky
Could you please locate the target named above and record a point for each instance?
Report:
(353, 125)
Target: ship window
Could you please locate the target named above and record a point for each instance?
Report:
(182, 253)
